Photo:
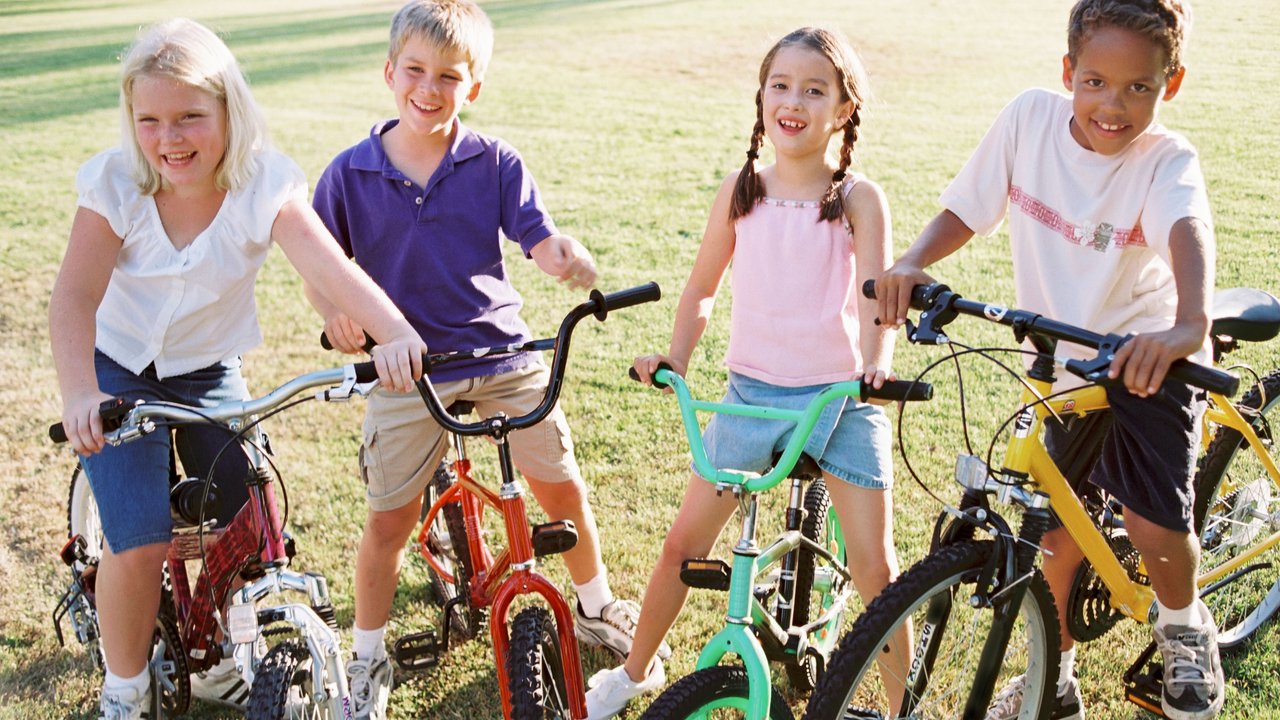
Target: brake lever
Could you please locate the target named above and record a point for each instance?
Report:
(348, 387)
(1095, 370)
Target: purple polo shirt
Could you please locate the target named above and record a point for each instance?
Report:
(437, 252)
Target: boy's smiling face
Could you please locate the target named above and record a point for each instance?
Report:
(1117, 81)
(431, 86)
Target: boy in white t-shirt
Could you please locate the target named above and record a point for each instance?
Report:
(1110, 229)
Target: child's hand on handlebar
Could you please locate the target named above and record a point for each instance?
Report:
(646, 365)
(876, 377)
(344, 334)
(399, 362)
(1144, 359)
(83, 423)
(893, 292)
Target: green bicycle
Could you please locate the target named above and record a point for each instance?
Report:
(787, 599)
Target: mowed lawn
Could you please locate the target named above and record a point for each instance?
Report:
(630, 112)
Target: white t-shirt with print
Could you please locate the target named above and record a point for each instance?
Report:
(1090, 232)
(184, 309)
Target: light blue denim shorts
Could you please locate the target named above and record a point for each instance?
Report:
(131, 481)
(851, 440)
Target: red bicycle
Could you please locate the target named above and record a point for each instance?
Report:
(301, 673)
(538, 665)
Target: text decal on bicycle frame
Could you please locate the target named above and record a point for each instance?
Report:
(1022, 425)
(994, 313)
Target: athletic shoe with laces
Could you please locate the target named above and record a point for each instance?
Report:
(1193, 683)
(1008, 702)
(370, 682)
(611, 690)
(126, 704)
(222, 685)
(614, 629)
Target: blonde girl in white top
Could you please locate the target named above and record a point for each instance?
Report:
(155, 298)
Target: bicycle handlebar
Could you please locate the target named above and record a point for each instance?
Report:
(903, 390)
(938, 305)
(133, 416)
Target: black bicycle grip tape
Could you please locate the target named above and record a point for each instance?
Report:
(898, 390)
(631, 373)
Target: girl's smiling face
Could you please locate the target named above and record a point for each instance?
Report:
(181, 129)
(1117, 81)
(801, 101)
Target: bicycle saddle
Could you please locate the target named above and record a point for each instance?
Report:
(1245, 314)
(806, 467)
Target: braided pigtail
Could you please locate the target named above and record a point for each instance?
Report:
(749, 189)
(833, 202)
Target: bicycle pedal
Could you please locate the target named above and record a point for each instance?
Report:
(705, 574)
(554, 538)
(418, 651)
(1144, 682)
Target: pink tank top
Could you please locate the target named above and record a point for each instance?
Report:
(795, 305)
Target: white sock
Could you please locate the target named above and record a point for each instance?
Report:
(1066, 668)
(594, 594)
(1188, 616)
(138, 684)
(368, 644)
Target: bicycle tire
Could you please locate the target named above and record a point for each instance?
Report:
(821, 527)
(535, 668)
(937, 584)
(1235, 501)
(82, 515)
(283, 686)
(170, 675)
(447, 539)
(714, 693)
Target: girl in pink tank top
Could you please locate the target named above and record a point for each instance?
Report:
(801, 233)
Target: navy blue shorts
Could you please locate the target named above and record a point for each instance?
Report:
(1142, 451)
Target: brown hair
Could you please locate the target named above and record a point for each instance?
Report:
(1164, 22)
(454, 25)
(852, 81)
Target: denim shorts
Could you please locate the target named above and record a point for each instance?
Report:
(851, 440)
(131, 481)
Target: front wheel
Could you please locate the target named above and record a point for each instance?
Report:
(535, 668)
(914, 652)
(284, 686)
(717, 693)
(1237, 504)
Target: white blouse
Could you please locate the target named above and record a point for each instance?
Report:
(186, 309)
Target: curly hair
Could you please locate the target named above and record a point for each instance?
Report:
(1166, 23)
(852, 81)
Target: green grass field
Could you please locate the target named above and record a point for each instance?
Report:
(630, 112)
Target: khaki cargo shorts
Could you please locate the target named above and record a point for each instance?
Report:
(403, 444)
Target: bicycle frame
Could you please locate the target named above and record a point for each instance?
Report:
(498, 581)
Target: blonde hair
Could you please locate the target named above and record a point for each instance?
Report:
(452, 25)
(852, 81)
(188, 52)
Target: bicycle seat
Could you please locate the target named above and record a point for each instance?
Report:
(806, 467)
(461, 407)
(1245, 314)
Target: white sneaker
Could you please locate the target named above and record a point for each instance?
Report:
(222, 685)
(125, 704)
(611, 690)
(614, 629)
(1007, 704)
(370, 682)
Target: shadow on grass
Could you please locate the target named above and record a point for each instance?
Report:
(37, 71)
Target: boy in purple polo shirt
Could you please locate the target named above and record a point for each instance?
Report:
(422, 205)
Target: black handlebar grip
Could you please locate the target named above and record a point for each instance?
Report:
(631, 373)
(898, 390)
(1211, 379)
(369, 344)
(365, 371)
(919, 294)
(869, 289)
(637, 295)
(57, 433)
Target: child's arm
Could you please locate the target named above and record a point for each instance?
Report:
(82, 282)
(565, 259)
(699, 296)
(313, 252)
(1145, 359)
(868, 213)
(945, 234)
